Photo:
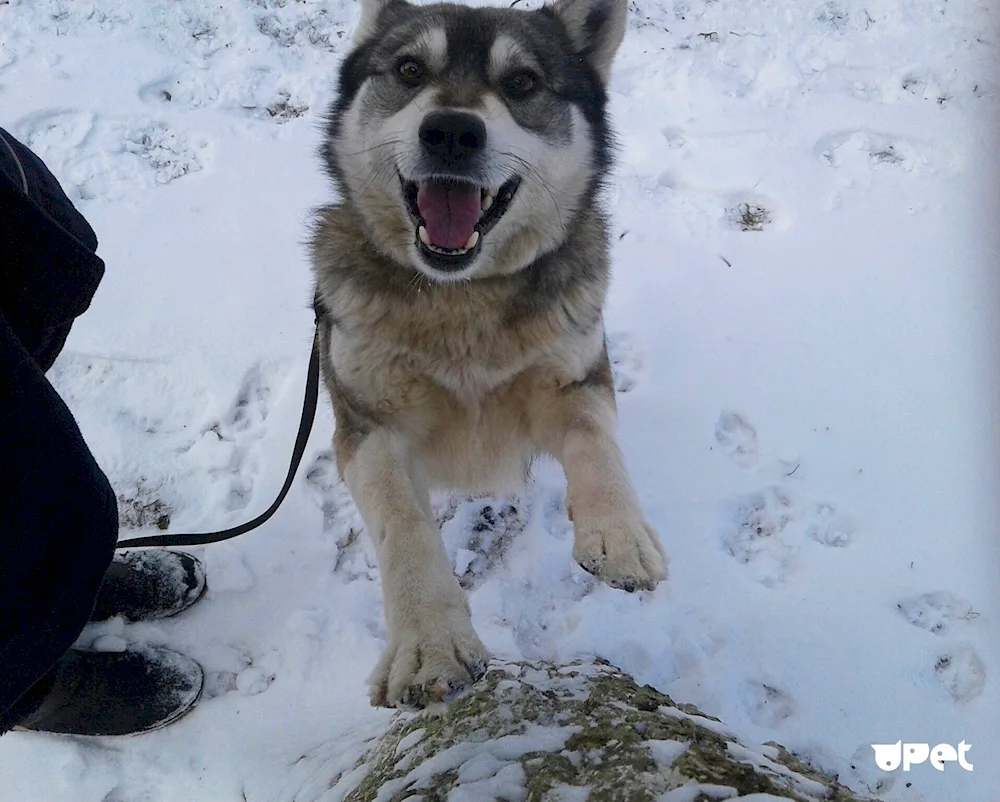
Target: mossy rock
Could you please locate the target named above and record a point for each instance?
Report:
(536, 732)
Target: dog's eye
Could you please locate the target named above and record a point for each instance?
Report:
(520, 85)
(410, 71)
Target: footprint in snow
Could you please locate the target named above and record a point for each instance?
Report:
(341, 521)
(757, 540)
(188, 91)
(961, 672)
(941, 88)
(168, 153)
(829, 528)
(924, 85)
(251, 407)
(861, 151)
(230, 448)
(737, 438)
(865, 773)
(96, 157)
(260, 93)
(766, 705)
(55, 130)
(340, 515)
(298, 26)
(244, 423)
(751, 211)
(939, 611)
(770, 532)
(477, 532)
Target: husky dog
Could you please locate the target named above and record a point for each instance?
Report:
(459, 288)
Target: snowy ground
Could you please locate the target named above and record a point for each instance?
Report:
(804, 329)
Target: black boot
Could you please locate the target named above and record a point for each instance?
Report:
(112, 693)
(149, 583)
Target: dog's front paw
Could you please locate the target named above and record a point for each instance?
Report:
(427, 663)
(624, 552)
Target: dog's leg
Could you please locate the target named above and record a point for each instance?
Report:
(576, 423)
(433, 651)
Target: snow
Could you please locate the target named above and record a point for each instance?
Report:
(666, 752)
(485, 770)
(803, 786)
(693, 791)
(803, 327)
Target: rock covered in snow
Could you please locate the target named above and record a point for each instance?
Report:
(534, 732)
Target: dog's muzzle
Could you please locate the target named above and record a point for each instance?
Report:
(452, 216)
(451, 211)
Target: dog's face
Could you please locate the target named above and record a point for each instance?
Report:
(469, 138)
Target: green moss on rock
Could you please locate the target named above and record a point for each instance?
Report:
(527, 731)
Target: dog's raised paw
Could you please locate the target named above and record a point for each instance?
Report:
(625, 554)
(428, 665)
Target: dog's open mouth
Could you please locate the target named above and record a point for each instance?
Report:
(452, 217)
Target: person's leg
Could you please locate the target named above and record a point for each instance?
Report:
(58, 513)
(59, 520)
(59, 523)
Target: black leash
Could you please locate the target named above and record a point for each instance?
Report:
(305, 426)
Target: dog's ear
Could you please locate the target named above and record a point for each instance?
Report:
(596, 28)
(371, 10)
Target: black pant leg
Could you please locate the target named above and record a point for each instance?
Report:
(58, 524)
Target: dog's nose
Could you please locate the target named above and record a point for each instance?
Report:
(452, 135)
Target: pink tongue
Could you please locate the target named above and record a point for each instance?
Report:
(450, 212)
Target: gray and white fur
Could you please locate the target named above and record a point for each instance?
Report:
(460, 283)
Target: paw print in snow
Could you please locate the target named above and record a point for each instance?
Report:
(165, 150)
(924, 85)
(477, 532)
(757, 542)
(738, 439)
(298, 26)
(104, 158)
(771, 530)
(862, 151)
(342, 523)
(341, 519)
(766, 705)
(961, 672)
(749, 215)
(829, 528)
(865, 772)
(939, 611)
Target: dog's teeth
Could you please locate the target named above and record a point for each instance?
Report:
(487, 201)
(470, 243)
